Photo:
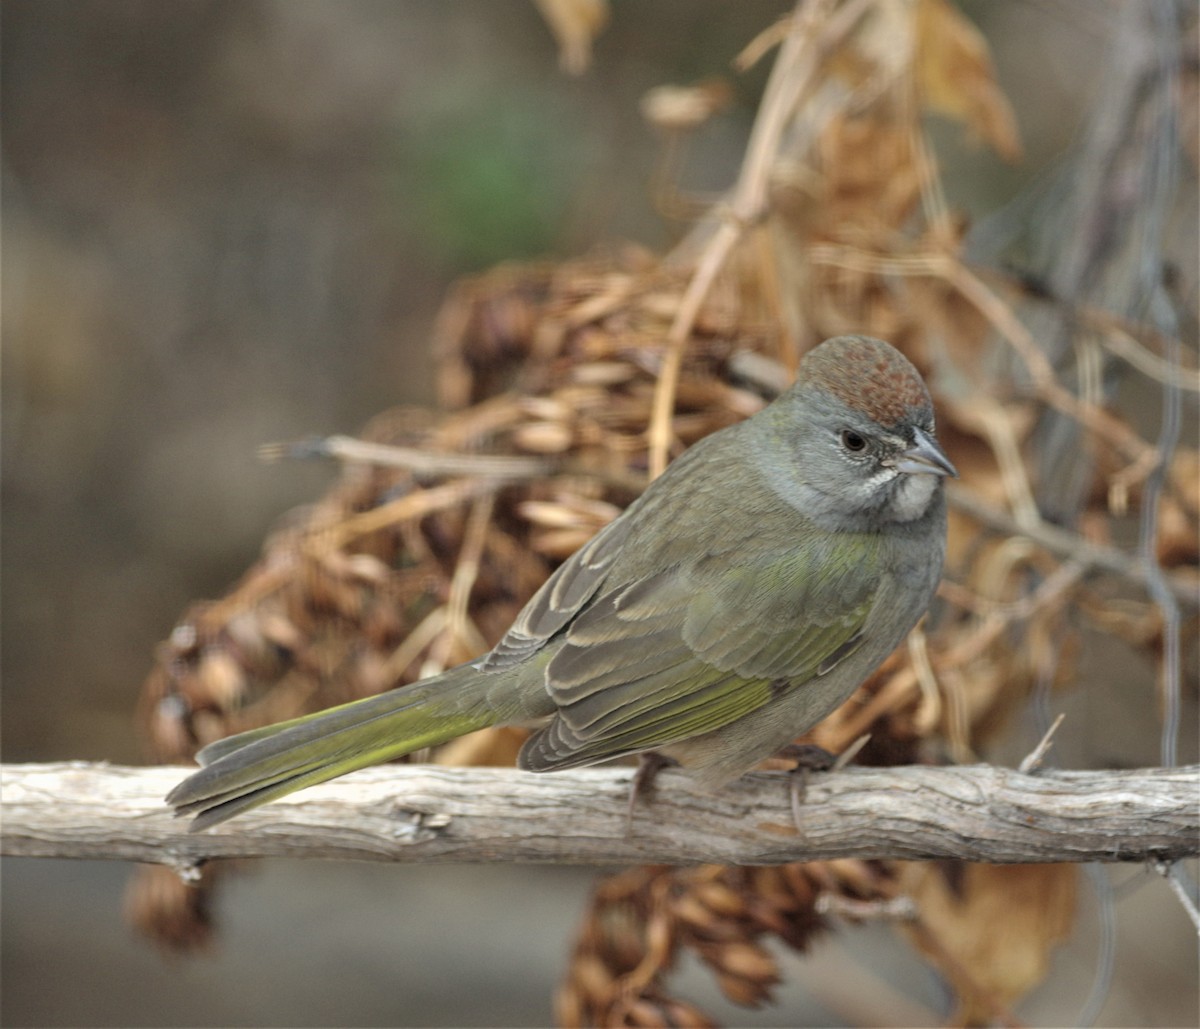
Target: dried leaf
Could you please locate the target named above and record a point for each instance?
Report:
(956, 78)
(992, 930)
(575, 24)
(679, 108)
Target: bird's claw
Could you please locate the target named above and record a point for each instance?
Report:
(650, 763)
(811, 758)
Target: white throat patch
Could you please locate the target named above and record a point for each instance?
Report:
(912, 496)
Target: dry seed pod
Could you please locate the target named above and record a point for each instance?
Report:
(680, 1014)
(208, 727)
(368, 568)
(768, 884)
(221, 678)
(799, 884)
(569, 1011)
(548, 513)
(603, 373)
(591, 978)
(745, 960)
(1177, 535)
(681, 108)
(644, 1013)
(748, 993)
(702, 921)
(543, 437)
(167, 726)
(719, 898)
(562, 543)
(164, 908)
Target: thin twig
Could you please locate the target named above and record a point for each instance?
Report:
(930, 711)
(1033, 760)
(418, 504)
(1170, 871)
(435, 463)
(989, 418)
(460, 629)
(710, 264)
(800, 57)
(1156, 577)
(894, 909)
(1068, 544)
(423, 462)
(1106, 953)
(949, 268)
(427, 630)
(1117, 336)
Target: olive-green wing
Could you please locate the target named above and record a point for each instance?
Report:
(649, 528)
(562, 596)
(686, 651)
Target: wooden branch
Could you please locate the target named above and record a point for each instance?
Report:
(435, 813)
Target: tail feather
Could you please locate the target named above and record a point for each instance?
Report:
(213, 752)
(258, 766)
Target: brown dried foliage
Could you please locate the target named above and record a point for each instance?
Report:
(394, 575)
(641, 921)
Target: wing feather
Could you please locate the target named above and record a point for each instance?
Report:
(688, 650)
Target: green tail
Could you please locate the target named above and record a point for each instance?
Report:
(253, 768)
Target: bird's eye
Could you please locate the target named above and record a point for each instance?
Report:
(853, 441)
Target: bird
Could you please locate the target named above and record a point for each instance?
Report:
(743, 596)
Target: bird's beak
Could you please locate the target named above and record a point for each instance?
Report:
(925, 457)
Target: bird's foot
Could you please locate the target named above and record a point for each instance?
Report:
(811, 758)
(650, 763)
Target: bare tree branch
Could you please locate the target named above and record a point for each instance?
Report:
(433, 813)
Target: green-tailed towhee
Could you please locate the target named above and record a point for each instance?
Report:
(740, 599)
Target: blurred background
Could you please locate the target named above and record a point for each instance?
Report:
(228, 222)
